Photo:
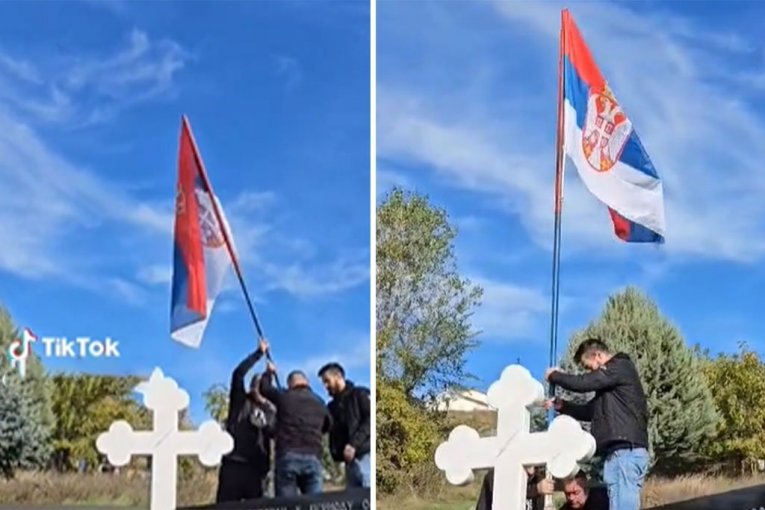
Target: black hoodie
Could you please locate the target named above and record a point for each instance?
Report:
(248, 423)
(350, 421)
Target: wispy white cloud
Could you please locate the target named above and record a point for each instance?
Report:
(274, 259)
(155, 274)
(666, 71)
(55, 199)
(284, 261)
(509, 312)
(311, 279)
(128, 291)
(19, 69)
(50, 197)
(83, 89)
(352, 351)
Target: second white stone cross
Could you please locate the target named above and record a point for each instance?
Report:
(165, 442)
(561, 447)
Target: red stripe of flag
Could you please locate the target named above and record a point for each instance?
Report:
(187, 229)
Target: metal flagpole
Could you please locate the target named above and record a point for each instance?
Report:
(225, 233)
(559, 173)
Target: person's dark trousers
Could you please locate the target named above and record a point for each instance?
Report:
(358, 472)
(297, 471)
(238, 481)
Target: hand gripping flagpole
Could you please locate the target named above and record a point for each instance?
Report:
(559, 174)
(224, 230)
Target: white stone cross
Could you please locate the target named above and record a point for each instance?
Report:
(561, 447)
(165, 442)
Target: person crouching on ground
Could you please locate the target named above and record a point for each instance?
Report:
(250, 422)
(302, 421)
(349, 437)
(580, 496)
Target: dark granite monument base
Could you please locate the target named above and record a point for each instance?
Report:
(752, 498)
(354, 499)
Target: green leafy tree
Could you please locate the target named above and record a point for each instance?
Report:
(737, 382)
(85, 406)
(423, 305)
(682, 415)
(423, 331)
(216, 402)
(407, 436)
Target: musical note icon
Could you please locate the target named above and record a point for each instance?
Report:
(19, 351)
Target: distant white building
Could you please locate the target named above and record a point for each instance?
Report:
(463, 401)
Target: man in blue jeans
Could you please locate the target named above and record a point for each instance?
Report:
(618, 414)
(349, 436)
(302, 419)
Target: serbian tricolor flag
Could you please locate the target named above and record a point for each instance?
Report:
(202, 252)
(601, 141)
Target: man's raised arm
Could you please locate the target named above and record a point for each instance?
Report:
(596, 380)
(237, 393)
(267, 388)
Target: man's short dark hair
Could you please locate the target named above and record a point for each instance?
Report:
(590, 346)
(295, 374)
(332, 368)
(581, 478)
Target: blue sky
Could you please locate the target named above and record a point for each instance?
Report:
(278, 97)
(466, 114)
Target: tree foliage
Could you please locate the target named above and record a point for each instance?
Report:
(85, 406)
(423, 331)
(37, 386)
(26, 416)
(407, 435)
(24, 439)
(216, 402)
(682, 415)
(737, 382)
(423, 304)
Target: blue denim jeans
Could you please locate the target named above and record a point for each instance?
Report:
(358, 472)
(298, 471)
(624, 472)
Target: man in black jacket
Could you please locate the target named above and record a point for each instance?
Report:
(349, 437)
(302, 421)
(618, 414)
(250, 420)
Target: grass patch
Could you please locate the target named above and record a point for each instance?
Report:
(126, 490)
